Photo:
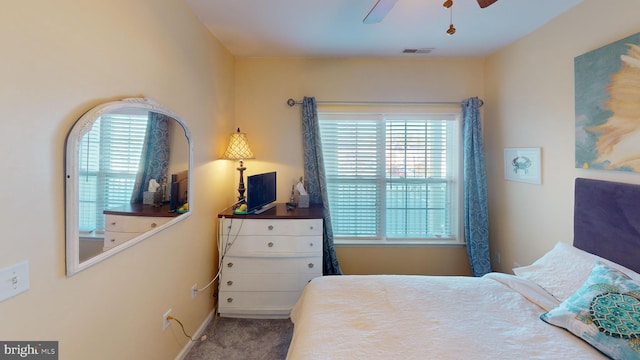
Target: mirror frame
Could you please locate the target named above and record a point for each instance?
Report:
(72, 172)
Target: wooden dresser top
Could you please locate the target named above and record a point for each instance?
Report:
(280, 212)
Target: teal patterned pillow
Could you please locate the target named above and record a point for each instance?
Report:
(605, 312)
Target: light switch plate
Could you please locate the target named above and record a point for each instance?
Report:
(14, 280)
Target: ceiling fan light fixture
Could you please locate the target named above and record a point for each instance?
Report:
(451, 30)
(449, 5)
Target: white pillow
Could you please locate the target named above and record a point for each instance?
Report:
(563, 269)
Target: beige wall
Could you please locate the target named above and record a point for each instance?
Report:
(263, 86)
(62, 58)
(59, 59)
(530, 103)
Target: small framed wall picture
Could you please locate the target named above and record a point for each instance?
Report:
(523, 164)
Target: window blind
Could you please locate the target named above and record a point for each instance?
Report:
(110, 156)
(354, 164)
(391, 176)
(416, 177)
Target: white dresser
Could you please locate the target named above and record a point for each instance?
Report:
(127, 222)
(267, 260)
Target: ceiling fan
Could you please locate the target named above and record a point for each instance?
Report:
(382, 8)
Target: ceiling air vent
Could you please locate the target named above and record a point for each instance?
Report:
(417, 51)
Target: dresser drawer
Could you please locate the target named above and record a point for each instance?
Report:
(260, 245)
(257, 302)
(112, 239)
(240, 227)
(301, 265)
(133, 224)
(266, 282)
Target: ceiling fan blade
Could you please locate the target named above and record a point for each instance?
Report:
(379, 11)
(484, 3)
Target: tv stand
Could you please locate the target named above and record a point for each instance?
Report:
(264, 208)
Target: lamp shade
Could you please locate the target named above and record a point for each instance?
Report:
(238, 148)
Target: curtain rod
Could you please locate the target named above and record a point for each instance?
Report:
(292, 103)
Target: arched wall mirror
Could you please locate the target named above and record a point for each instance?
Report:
(128, 169)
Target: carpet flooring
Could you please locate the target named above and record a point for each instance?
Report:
(244, 339)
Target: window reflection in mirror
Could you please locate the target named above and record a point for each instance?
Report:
(130, 161)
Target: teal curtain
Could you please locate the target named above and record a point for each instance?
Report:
(476, 213)
(154, 162)
(315, 180)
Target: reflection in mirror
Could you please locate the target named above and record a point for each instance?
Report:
(127, 177)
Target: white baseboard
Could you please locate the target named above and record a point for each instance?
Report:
(197, 335)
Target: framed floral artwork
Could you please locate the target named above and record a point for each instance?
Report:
(607, 103)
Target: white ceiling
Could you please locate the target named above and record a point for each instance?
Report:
(334, 28)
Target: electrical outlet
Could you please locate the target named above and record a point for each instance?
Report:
(166, 322)
(194, 291)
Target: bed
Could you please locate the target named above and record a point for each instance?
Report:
(578, 301)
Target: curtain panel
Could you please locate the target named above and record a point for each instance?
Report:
(314, 175)
(476, 214)
(154, 162)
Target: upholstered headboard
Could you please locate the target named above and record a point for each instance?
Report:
(607, 220)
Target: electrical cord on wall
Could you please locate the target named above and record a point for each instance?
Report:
(229, 244)
(214, 324)
(210, 282)
(226, 248)
(202, 338)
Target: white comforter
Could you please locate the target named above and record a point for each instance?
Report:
(428, 317)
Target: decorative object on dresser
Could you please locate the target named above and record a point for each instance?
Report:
(239, 149)
(266, 260)
(119, 157)
(302, 195)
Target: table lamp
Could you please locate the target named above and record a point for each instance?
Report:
(239, 149)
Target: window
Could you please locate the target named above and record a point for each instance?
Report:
(392, 178)
(109, 158)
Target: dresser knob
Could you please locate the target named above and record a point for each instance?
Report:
(229, 300)
(230, 265)
(229, 282)
(113, 240)
(311, 227)
(310, 265)
(270, 227)
(153, 225)
(270, 244)
(311, 244)
(113, 223)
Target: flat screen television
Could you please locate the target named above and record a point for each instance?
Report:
(261, 192)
